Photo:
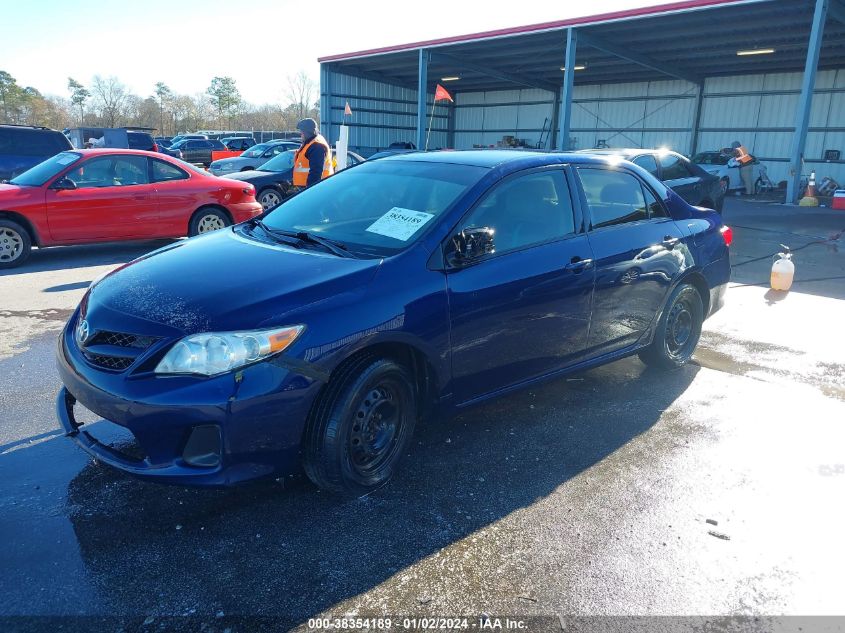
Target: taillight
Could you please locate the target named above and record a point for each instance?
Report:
(727, 235)
(155, 147)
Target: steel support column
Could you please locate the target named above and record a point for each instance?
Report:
(802, 119)
(326, 103)
(565, 112)
(422, 83)
(450, 123)
(696, 119)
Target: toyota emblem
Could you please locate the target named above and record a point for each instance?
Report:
(82, 332)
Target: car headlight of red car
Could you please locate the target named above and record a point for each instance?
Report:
(212, 353)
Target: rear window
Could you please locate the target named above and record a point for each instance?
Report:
(27, 142)
(216, 145)
(138, 140)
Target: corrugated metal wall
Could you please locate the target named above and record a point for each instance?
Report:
(758, 110)
(381, 114)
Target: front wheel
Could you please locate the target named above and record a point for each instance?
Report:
(677, 331)
(269, 198)
(723, 186)
(15, 245)
(207, 220)
(360, 427)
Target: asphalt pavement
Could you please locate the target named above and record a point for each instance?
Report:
(712, 490)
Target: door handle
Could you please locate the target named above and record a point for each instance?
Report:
(670, 242)
(576, 264)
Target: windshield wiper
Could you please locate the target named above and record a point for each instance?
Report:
(338, 248)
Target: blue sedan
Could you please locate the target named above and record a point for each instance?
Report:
(318, 335)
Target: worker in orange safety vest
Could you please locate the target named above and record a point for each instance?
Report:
(745, 162)
(313, 160)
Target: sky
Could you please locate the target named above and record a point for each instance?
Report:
(185, 43)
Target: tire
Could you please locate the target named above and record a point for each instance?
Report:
(269, 197)
(360, 427)
(247, 169)
(724, 185)
(206, 220)
(677, 331)
(15, 244)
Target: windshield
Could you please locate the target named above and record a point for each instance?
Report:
(43, 172)
(256, 150)
(377, 208)
(711, 158)
(282, 162)
(179, 144)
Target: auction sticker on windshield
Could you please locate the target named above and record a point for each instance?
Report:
(400, 224)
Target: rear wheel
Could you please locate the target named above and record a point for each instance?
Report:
(677, 331)
(723, 185)
(269, 198)
(15, 244)
(360, 427)
(207, 220)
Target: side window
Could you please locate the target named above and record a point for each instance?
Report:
(647, 162)
(614, 197)
(163, 172)
(673, 167)
(98, 172)
(655, 209)
(526, 210)
(192, 145)
(130, 170)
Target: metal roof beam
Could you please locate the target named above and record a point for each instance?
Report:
(836, 10)
(642, 60)
(492, 72)
(360, 73)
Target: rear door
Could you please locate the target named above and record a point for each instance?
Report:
(113, 200)
(638, 253)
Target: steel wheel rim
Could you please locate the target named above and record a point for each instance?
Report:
(210, 222)
(679, 330)
(11, 245)
(269, 199)
(376, 428)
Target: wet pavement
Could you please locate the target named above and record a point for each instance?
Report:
(715, 489)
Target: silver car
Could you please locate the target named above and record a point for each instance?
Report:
(252, 158)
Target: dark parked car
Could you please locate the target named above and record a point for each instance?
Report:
(142, 141)
(319, 334)
(198, 151)
(238, 143)
(252, 158)
(163, 141)
(687, 179)
(273, 180)
(23, 146)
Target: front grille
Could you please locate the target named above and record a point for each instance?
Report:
(115, 363)
(119, 339)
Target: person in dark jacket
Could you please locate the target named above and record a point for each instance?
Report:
(313, 160)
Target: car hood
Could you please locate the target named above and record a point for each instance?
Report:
(240, 161)
(223, 281)
(253, 174)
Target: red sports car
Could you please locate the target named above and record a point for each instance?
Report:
(104, 195)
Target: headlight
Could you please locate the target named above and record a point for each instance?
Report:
(213, 353)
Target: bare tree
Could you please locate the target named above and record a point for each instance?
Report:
(78, 96)
(164, 95)
(300, 94)
(111, 96)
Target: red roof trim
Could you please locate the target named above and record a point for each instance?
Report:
(545, 26)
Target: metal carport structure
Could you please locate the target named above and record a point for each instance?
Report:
(681, 48)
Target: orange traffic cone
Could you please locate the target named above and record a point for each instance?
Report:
(809, 199)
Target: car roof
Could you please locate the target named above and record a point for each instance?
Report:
(494, 157)
(115, 150)
(627, 151)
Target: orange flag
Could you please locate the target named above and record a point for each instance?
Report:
(347, 111)
(442, 93)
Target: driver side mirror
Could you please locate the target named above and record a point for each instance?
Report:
(64, 184)
(471, 244)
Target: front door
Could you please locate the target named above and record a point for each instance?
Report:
(523, 310)
(639, 251)
(113, 200)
